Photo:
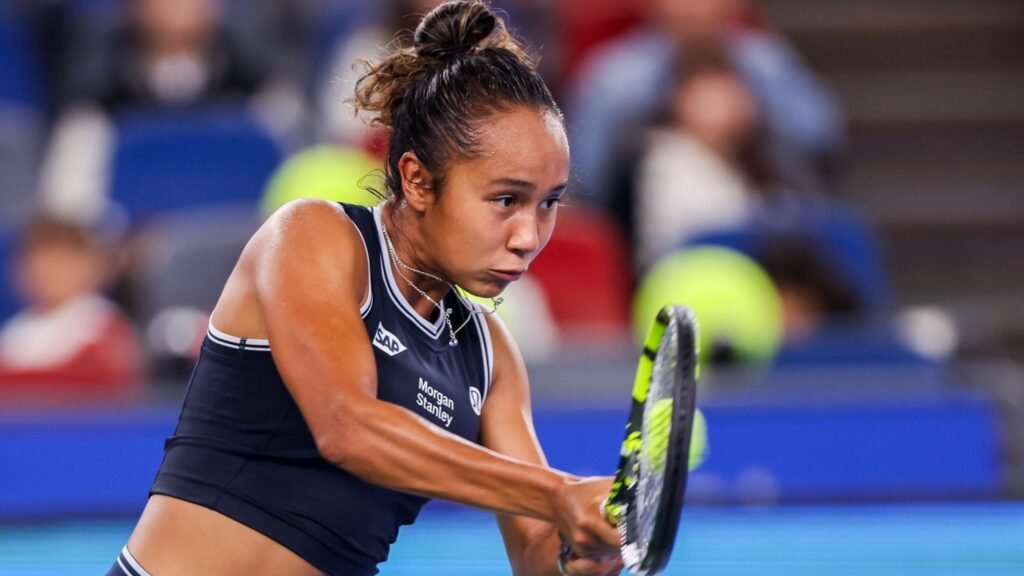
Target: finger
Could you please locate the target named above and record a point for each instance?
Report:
(614, 567)
(598, 538)
(608, 535)
(597, 553)
(590, 567)
(595, 550)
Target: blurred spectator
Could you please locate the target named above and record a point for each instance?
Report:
(624, 81)
(68, 336)
(702, 166)
(279, 33)
(167, 53)
(812, 290)
(356, 31)
(784, 299)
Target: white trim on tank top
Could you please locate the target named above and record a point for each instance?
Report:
(430, 329)
(225, 339)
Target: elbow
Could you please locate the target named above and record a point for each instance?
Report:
(344, 442)
(336, 447)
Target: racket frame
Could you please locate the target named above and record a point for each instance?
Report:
(677, 457)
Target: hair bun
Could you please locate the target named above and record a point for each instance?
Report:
(453, 29)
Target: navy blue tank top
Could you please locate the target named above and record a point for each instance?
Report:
(242, 448)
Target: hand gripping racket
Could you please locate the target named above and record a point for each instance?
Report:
(647, 496)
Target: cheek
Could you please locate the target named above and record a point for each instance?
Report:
(39, 279)
(38, 271)
(469, 235)
(547, 229)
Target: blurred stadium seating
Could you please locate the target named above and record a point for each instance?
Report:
(339, 22)
(169, 159)
(20, 71)
(936, 134)
(186, 255)
(21, 141)
(183, 259)
(21, 109)
(8, 301)
(843, 236)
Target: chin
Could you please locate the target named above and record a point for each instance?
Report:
(485, 289)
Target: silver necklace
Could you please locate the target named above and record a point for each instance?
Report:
(445, 312)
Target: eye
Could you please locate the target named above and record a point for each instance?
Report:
(552, 202)
(505, 201)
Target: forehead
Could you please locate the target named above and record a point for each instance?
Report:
(528, 142)
(714, 80)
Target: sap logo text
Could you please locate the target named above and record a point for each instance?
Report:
(387, 342)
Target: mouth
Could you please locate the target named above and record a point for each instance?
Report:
(508, 275)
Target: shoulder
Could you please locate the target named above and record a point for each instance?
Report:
(507, 360)
(310, 218)
(313, 238)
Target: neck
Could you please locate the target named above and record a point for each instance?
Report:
(424, 286)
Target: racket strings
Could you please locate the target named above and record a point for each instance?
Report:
(647, 497)
(656, 434)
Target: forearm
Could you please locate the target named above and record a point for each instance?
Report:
(385, 444)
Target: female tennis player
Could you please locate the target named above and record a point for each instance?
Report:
(344, 381)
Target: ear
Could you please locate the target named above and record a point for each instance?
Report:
(417, 182)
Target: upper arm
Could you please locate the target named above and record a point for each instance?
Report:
(309, 274)
(507, 428)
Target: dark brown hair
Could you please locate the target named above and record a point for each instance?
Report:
(44, 231)
(462, 67)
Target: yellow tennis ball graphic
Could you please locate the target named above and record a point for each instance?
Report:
(330, 172)
(657, 431)
(734, 299)
(698, 441)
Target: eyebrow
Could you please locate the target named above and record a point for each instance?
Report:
(514, 182)
(517, 183)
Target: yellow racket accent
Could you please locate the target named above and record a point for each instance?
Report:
(643, 370)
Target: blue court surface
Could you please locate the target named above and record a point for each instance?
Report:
(906, 539)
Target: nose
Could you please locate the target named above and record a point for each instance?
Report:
(525, 235)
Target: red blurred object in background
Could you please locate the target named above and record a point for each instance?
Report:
(584, 274)
(586, 25)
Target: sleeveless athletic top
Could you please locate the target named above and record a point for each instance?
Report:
(242, 448)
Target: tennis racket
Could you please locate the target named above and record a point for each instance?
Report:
(647, 495)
